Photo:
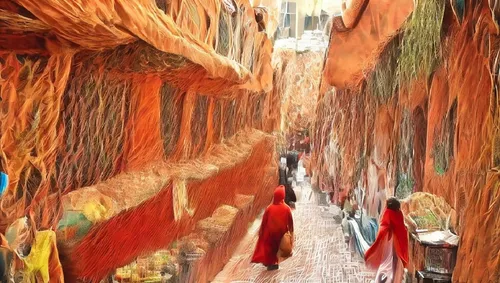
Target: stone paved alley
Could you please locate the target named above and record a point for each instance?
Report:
(320, 254)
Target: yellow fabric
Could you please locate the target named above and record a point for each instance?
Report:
(180, 199)
(94, 212)
(37, 262)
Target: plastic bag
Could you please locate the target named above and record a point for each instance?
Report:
(286, 245)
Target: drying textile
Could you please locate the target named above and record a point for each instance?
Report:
(4, 182)
(42, 264)
(363, 232)
(74, 223)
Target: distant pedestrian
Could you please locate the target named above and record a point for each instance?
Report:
(283, 172)
(290, 197)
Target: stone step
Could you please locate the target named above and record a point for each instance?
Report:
(215, 236)
(214, 228)
(243, 201)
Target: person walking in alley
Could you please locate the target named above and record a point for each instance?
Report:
(276, 229)
(389, 252)
(283, 173)
(290, 197)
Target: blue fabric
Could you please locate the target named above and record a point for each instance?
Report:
(368, 234)
(369, 230)
(358, 239)
(460, 8)
(4, 182)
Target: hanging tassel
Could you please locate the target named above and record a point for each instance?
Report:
(180, 199)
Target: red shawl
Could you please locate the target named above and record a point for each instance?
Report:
(277, 220)
(392, 224)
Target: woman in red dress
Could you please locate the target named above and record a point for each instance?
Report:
(389, 252)
(277, 220)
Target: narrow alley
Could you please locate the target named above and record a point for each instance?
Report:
(142, 140)
(320, 253)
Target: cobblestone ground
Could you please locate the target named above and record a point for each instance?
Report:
(320, 254)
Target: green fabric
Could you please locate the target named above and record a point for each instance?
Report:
(75, 218)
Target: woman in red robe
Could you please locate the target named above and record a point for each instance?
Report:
(389, 252)
(277, 220)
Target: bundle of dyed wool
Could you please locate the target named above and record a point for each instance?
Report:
(299, 83)
(112, 112)
(423, 124)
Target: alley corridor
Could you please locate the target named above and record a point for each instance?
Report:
(320, 253)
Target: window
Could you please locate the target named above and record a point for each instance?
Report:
(287, 19)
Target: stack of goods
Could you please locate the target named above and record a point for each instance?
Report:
(426, 212)
(433, 245)
(146, 269)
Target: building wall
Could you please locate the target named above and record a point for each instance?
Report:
(307, 7)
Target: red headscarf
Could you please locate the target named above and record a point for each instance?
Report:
(277, 220)
(392, 224)
(279, 195)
